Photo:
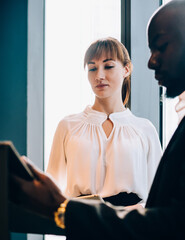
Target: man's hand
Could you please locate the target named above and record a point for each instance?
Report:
(40, 195)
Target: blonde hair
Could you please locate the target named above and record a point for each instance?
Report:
(114, 49)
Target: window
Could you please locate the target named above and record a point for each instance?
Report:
(70, 26)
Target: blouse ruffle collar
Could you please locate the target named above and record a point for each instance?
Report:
(97, 117)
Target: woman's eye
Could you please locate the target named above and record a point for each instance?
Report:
(109, 67)
(92, 69)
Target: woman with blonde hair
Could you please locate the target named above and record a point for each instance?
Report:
(105, 149)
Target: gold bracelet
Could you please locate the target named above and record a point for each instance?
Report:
(59, 215)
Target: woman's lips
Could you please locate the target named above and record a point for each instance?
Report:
(101, 85)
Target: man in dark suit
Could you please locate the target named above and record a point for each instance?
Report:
(164, 215)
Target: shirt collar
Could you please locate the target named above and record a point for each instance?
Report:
(97, 117)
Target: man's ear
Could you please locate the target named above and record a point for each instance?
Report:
(127, 71)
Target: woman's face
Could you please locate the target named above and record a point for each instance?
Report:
(106, 76)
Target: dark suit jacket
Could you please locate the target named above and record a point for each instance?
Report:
(163, 218)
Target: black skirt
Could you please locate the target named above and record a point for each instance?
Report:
(123, 199)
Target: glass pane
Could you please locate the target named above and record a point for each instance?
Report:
(70, 26)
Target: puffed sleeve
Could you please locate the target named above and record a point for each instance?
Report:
(57, 161)
(154, 153)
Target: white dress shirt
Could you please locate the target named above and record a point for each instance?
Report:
(84, 160)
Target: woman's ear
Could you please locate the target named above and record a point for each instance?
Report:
(127, 71)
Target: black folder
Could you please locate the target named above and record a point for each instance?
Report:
(13, 217)
(15, 164)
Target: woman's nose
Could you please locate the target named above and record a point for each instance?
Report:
(100, 75)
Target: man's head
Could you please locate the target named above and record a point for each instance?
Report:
(166, 37)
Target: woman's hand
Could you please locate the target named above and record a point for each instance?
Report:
(40, 195)
(133, 207)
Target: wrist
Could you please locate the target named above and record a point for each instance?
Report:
(59, 215)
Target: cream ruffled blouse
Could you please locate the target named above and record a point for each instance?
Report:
(84, 161)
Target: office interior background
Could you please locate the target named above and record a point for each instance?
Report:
(45, 79)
